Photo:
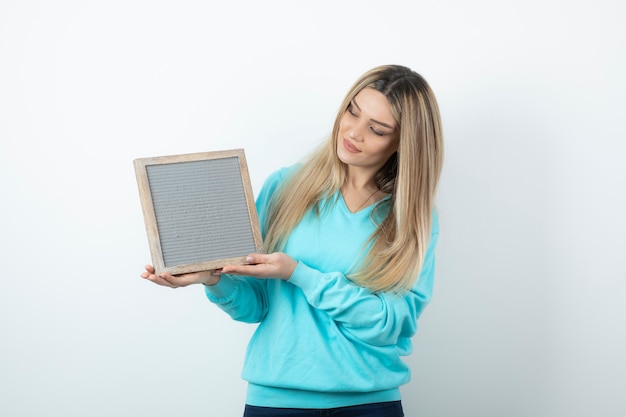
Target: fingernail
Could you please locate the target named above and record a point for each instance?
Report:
(249, 259)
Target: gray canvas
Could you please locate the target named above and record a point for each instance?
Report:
(201, 211)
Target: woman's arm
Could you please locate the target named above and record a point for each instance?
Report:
(375, 318)
(242, 298)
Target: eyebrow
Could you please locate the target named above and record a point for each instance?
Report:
(373, 120)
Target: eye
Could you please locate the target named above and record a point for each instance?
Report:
(351, 110)
(376, 132)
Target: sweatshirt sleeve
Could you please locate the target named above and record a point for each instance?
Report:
(378, 319)
(244, 299)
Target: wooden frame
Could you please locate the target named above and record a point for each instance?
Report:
(199, 210)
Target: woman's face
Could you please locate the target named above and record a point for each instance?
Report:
(368, 134)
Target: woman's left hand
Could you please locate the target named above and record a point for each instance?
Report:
(273, 265)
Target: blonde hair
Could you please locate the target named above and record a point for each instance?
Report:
(398, 245)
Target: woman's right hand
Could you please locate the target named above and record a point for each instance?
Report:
(183, 280)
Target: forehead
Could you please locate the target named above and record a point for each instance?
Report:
(375, 105)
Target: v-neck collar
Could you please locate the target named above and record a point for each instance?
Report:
(365, 210)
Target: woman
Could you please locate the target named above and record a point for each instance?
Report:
(350, 237)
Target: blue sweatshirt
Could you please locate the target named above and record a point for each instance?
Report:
(322, 341)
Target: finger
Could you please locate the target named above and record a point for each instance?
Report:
(158, 280)
(146, 274)
(257, 258)
(256, 270)
(167, 276)
(149, 269)
(184, 280)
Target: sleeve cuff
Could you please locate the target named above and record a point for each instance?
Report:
(224, 290)
(302, 278)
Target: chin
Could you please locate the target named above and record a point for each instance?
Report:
(345, 158)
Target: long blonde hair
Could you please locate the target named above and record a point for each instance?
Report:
(398, 245)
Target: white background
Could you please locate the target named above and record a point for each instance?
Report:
(529, 313)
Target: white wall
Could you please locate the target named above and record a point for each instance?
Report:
(528, 318)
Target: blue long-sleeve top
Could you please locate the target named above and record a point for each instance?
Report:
(323, 341)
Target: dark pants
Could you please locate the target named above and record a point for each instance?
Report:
(386, 409)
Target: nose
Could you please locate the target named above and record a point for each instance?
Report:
(356, 132)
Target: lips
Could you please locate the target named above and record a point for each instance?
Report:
(350, 147)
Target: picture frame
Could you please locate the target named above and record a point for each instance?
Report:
(199, 210)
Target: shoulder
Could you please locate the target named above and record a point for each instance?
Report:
(274, 182)
(280, 176)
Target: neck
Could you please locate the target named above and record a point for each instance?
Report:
(360, 191)
(360, 180)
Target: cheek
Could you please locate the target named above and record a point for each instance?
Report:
(342, 124)
(384, 148)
